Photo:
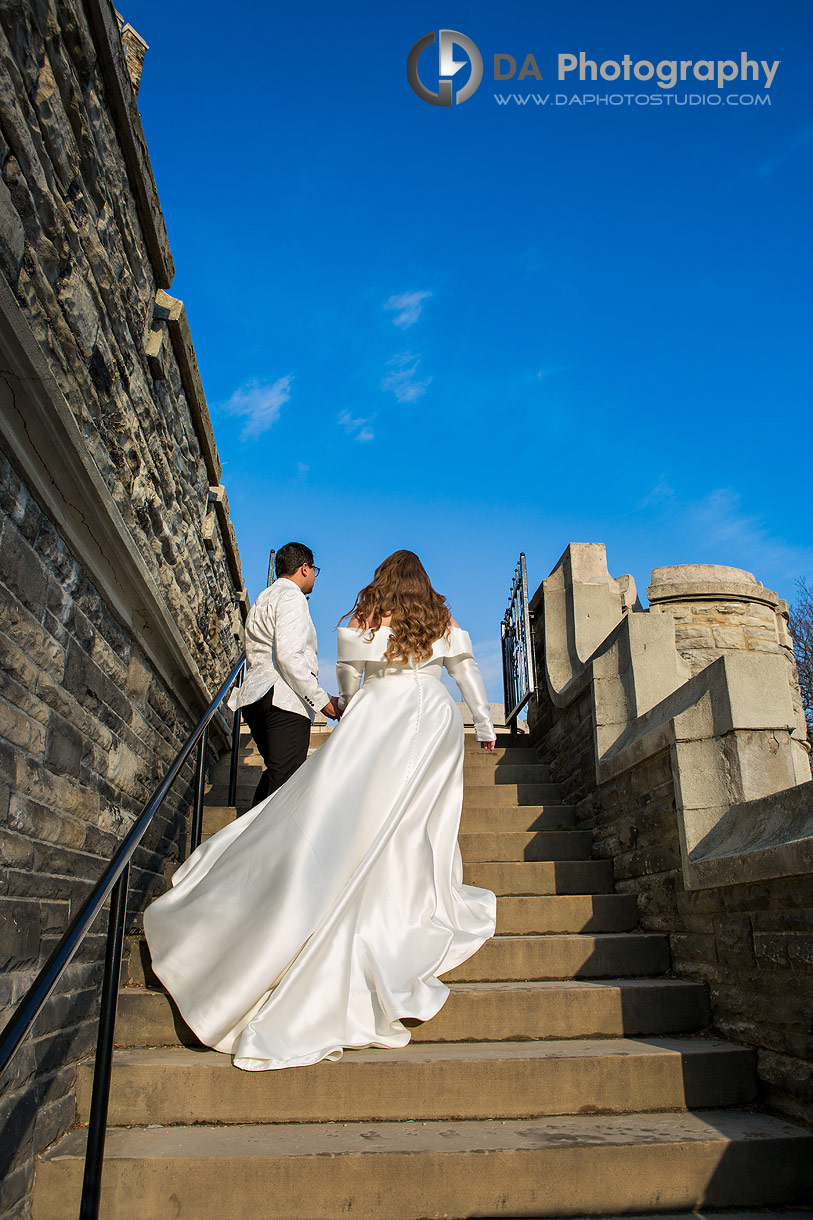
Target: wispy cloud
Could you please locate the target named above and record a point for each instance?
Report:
(662, 493)
(551, 370)
(402, 377)
(359, 428)
(718, 523)
(720, 518)
(260, 404)
(407, 307)
(801, 138)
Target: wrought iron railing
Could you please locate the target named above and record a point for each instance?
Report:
(114, 883)
(517, 647)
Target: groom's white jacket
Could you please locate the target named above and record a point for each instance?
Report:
(281, 652)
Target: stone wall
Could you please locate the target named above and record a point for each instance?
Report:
(750, 938)
(752, 943)
(121, 595)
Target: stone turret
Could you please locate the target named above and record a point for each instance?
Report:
(719, 610)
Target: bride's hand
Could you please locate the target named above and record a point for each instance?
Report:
(488, 746)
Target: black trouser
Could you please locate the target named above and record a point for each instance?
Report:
(282, 739)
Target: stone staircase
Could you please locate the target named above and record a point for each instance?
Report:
(567, 1074)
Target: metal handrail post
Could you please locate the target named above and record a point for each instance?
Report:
(100, 1099)
(528, 637)
(235, 747)
(196, 829)
(517, 648)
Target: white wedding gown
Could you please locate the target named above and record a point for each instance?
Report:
(324, 915)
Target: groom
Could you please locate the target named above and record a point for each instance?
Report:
(281, 693)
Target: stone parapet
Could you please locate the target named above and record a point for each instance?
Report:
(677, 731)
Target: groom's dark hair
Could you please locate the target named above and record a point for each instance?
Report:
(291, 557)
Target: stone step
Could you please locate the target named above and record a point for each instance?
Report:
(485, 1012)
(488, 767)
(547, 877)
(567, 1166)
(511, 958)
(429, 1081)
(515, 916)
(478, 818)
(474, 794)
(526, 845)
(603, 955)
(474, 818)
(508, 958)
(480, 774)
(566, 913)
(507, 744)
(541, 877)
(505, 739)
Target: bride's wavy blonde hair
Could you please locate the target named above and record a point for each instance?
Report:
(420, 615)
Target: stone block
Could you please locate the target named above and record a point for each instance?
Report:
(12, 235)
(15, 663)
(16, 851)
(56, 557)
(28, 634)
(693, 947)
(772, 949)
(692, 635)
(769, 895)
(139, 679)
(800, 951)
(734, 940)
(762, 645)
(15, 1188)
(25, 882)
(719, 610)
(64, 747)
(759, 632)
(19, 936)
(729, 637)
(782, 919)
(124, 768)
(23, 573)
(54, 1119)
(20, 730)
(64, 703)
(36, 821)
(92, 688)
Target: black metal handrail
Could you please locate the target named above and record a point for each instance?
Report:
(114, 882)
(517, 647)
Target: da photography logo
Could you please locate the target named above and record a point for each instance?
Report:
(447, 67)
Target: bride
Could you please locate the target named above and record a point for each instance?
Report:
(323, 916)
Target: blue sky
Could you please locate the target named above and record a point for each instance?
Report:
(488, 328)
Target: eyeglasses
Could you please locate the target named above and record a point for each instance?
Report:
(315, 570)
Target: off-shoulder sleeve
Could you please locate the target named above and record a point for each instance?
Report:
(352, 653)
(348, 675)
(459, 660)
